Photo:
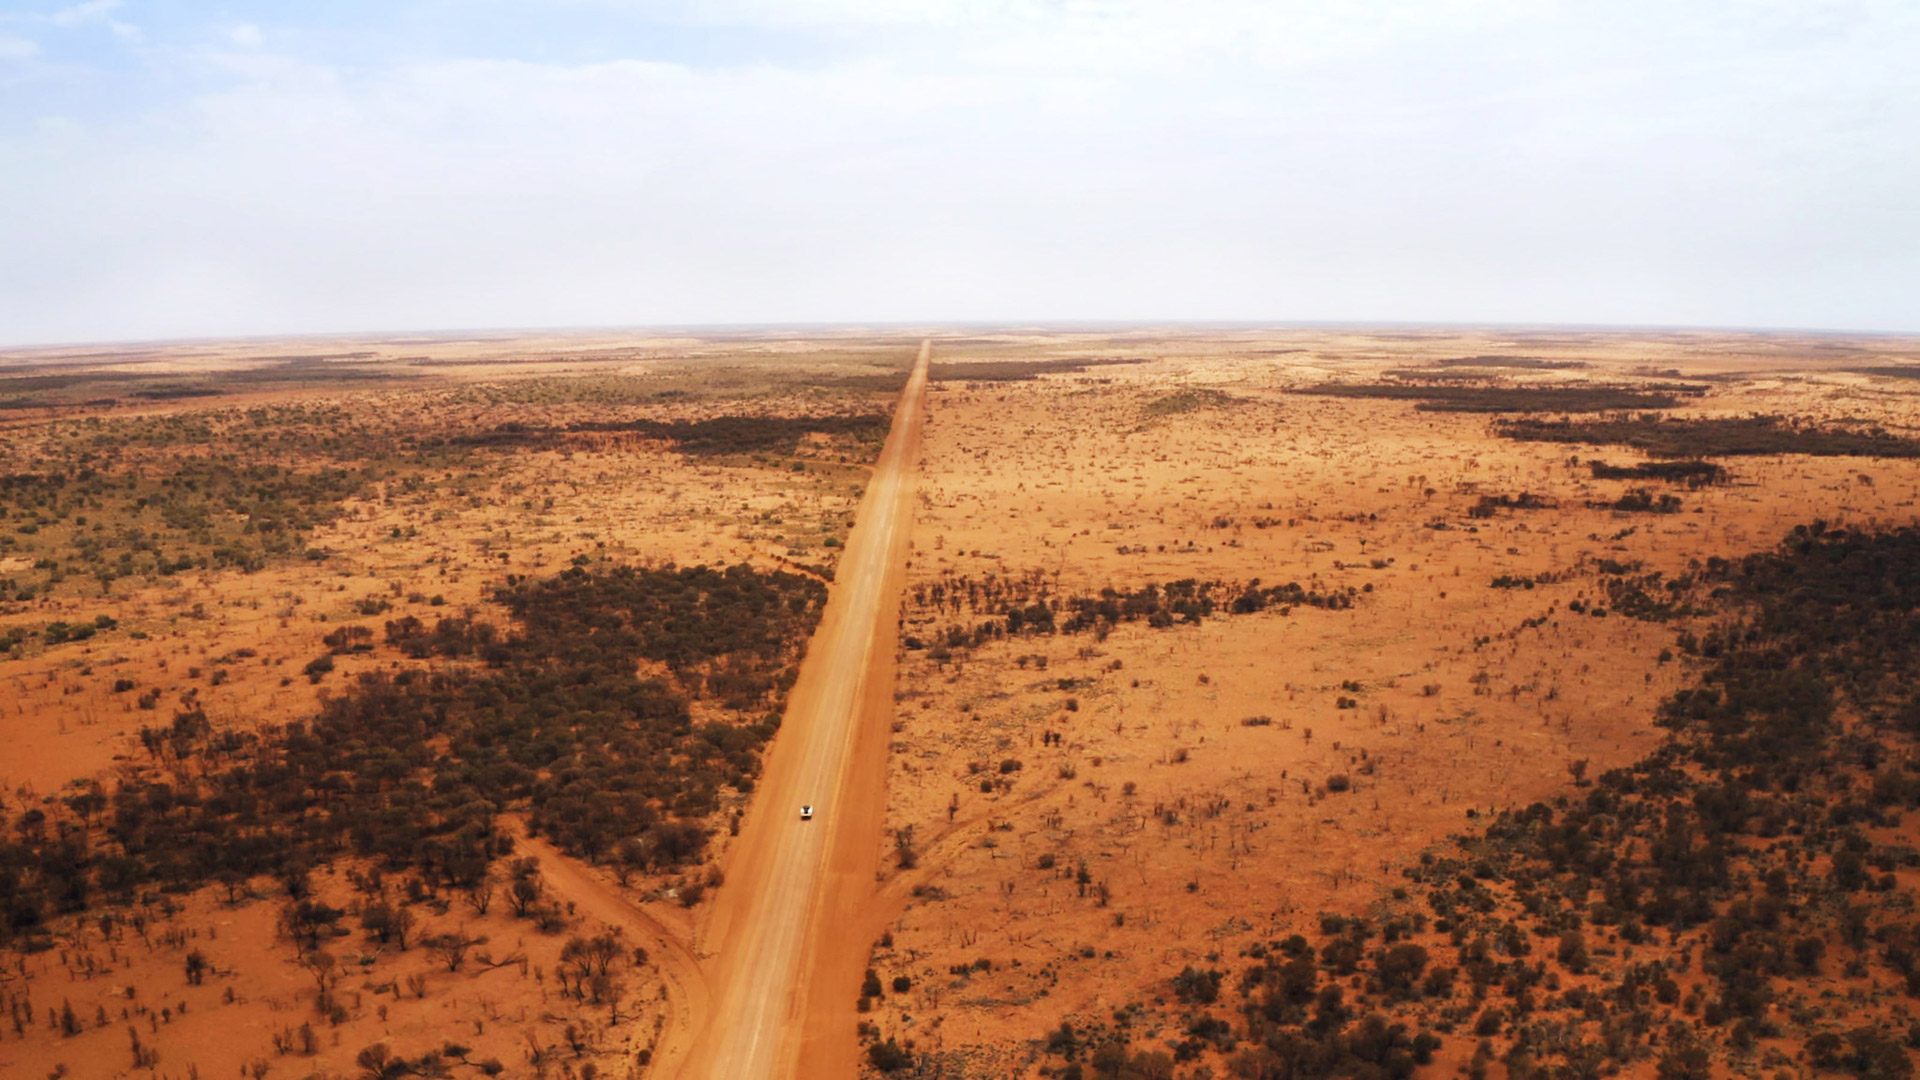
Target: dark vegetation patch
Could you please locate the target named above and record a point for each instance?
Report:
(59, 632)
(33, 384)
(177, 393)
(1649, 596)
(1897, 371)
(1498, 399)
(1627, 589)
(1189, 400)
(1001, 607)
(1018, 370)
(412, 767)
(1694, 474)
(1639, 501)
(714, 436)
(1481, 368)
(1713, 436)
(1489, 505)
(1732, 903)
(1519, 363)
(721, 435)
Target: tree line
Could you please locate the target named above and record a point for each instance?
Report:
(1004, 607)
(1705, 437)
(713, 436)
(1449, 396)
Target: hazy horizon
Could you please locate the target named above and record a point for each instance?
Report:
(170, 171)
(911, 331)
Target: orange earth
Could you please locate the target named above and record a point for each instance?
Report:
(1199, 830)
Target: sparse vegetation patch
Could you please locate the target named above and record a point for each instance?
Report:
(1189, 400)
(1731, 901)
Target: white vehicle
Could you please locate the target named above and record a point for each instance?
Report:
(806, 812)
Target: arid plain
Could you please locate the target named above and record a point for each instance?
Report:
(1230, 664)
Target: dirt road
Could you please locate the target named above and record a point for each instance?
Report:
(779, 936)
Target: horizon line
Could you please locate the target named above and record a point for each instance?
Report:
(934, 327)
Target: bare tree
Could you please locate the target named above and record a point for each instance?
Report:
(452, 948)
(480, 894)
(320, 964)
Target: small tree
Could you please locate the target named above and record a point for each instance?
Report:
(320, 964)
(144, 1056)
(480, 894)
(1197, 986)
(888, 1056)
(523, 895)
(1399, 967)
(629, 858)
(401, 925)
(452, 948)
(378, 1063)
(1684, 1060)
(1572, 952)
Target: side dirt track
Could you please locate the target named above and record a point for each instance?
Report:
(685, 994)
(784, 938)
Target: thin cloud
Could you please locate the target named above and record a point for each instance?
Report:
(1453, 161)
(83, 13)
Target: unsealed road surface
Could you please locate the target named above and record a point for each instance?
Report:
(774, 924)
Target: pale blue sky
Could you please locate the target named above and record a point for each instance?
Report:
(173, 168)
